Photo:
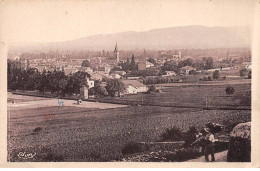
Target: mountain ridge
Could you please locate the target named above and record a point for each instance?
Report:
(184, 37)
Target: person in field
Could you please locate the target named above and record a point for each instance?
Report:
(205, 139)
(209, 145)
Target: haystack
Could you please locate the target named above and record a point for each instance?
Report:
(240, 143)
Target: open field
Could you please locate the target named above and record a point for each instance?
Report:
(78, 134)
(211, 94)
(91, 133)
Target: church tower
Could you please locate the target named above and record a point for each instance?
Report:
(116, 53)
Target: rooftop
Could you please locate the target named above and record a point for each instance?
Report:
(134, 83)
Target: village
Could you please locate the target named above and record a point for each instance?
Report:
(143, 106)
(136, 74)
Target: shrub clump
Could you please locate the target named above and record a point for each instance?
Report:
(216, 74)
(131, 148)
(229, 90)
(173, 134)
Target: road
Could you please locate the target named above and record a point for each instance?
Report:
(47, 102)
(206, 83)
(220, 157)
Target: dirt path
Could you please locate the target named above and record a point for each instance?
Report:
(220, 157)
(47, 102)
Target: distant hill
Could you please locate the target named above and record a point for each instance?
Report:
(157, 39)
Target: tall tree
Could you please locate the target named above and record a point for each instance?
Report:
(85, 63)
(153, 61)
(209, 63)
(170, 66)
(115, 87)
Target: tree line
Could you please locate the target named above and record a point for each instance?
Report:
(47, 81)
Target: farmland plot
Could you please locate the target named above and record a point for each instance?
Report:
(76, 134)
(194, 96)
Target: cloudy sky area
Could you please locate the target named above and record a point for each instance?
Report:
(51, 21)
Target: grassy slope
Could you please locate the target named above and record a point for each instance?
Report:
(193, 96)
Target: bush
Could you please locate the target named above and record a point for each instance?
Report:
(173, 134)
(216, 74)
(205, 78)
(190, 136)
(229, 90)
(193, 72)
(242, 72)
(152, 89)
(131, 148)
(224, 78)
(209, 78)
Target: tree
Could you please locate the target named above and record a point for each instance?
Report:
(85, 63)
(193, 72)
(229, 90)
(75, 81)
(170, 66)
(100, 90)
(133, 65)
(133, 59)
(199, 65)
(152, 89)
(186, 62)
(173, 134)
(190, 136)
(62, 86)
(127, 60)
(249, 75)
(242, 72)
(216, 74)
(209, 63)
(116, 68)
(115, 87)
(153, 61)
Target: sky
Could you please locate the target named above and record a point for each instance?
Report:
(61, 20)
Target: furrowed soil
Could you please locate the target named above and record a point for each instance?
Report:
(99, 135)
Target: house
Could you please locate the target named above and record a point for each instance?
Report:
(132, 78)
(68, 71)
(144, 64)
(100, 76)
(169, 74)
(86, 69)
(120, 72)
(134, 86)
(185, 70)
(91, 83)
(115, 76)
(83, 92)
(106, 68)
(40, 68)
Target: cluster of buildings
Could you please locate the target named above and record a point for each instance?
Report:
(100, 67)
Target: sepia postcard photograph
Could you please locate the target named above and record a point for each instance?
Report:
(130, 83)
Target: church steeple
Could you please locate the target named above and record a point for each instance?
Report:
(116, 53)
